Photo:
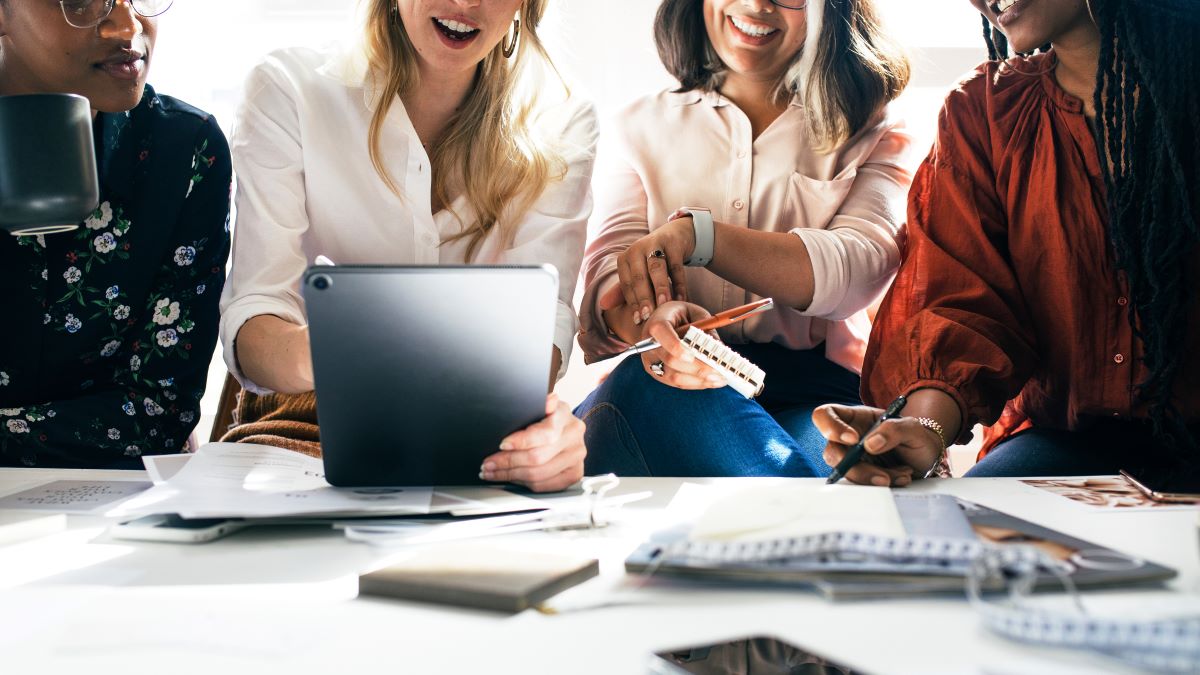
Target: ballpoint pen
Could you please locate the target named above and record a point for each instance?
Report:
(719, 320)
(855, 453)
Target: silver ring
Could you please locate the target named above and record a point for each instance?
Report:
(658, 369)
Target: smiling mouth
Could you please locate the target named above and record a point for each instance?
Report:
(752, 30)
(455, 30)
(1002, 6)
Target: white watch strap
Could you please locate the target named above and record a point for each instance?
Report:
(702, 227)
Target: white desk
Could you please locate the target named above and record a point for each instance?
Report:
(282, 600)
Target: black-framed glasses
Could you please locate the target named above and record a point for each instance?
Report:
(89, 13)
(791, 4)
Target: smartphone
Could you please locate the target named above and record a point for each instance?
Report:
(1166, 485)
(751, 656)
(170, 527)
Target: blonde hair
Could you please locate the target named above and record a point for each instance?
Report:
(847, 71)
(489, 149)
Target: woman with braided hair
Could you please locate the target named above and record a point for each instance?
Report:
(1053, 248)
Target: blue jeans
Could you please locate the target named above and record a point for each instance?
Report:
(638, 426)
(1100, 450)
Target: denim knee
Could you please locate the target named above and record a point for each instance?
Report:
(611, 445)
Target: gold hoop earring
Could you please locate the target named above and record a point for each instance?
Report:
(508, 48)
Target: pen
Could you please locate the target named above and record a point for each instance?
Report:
(854, 455)
(720, 320)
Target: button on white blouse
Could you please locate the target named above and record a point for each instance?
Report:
(307, 187)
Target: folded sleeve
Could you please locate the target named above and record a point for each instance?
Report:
(955, 319)
(271, 219)
(855, 255)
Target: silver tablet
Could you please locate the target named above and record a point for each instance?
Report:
(421, 371)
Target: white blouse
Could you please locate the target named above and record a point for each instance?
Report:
(307, 187)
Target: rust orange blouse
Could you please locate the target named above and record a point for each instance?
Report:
(1007, 297)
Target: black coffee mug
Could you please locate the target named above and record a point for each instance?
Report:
(47, 163)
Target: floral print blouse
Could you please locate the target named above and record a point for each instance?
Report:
(108, 330)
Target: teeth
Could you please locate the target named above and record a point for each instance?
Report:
(456, 26)
(750, 29)
(1005, 5)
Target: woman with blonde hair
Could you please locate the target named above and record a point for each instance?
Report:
(443, 136)
(774, 170)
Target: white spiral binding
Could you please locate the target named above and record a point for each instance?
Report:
(1163, 645)
(918, 550)
(737, 370)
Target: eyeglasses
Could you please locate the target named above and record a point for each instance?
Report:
(89, 13)
(790, 5)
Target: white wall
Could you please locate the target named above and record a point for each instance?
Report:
(603, 47)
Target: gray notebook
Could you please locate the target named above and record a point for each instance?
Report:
(942, 535)
(479, 575)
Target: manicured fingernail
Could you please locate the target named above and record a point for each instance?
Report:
(489, 466)
(637, 318)
(848, 437)
(874, 443)
(506, 445)
(645, 313)
(880, 480)
(662, 298)
(482, 476)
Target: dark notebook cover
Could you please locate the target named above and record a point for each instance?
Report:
(481, 577)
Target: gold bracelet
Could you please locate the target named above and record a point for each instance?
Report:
(941, 467)
(935, 427)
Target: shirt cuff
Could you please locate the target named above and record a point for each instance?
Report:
(828, 257)
(595, 339)
(236, 316)
(565, 327)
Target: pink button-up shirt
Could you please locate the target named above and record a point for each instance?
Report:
(695, 149)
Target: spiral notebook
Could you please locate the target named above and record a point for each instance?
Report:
(924, 544)
(745, 377)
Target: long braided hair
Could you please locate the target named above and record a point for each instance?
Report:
(1147, 107)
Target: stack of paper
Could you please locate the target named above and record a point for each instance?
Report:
(239, 480)
(779, 511)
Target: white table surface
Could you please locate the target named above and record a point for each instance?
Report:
(283, 599)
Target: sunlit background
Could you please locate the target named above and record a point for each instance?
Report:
(603, 47)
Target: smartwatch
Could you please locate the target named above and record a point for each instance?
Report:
(702, 227)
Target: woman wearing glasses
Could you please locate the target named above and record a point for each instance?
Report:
(773, 170)
(108, 329)
(443, 136)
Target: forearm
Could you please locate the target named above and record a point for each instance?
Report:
(768, 264)
(555, 365)
(275, 354)
(938, 406)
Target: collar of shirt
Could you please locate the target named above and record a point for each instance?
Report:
(713, 98)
